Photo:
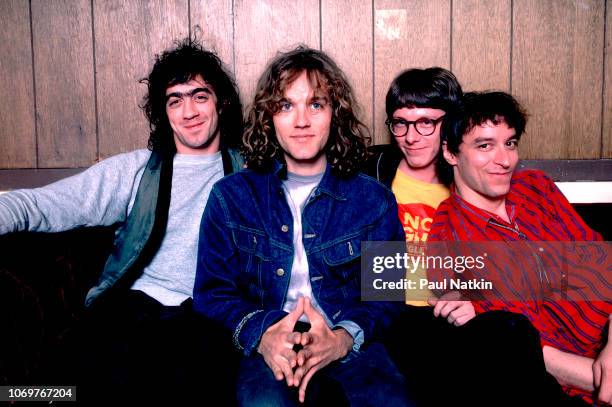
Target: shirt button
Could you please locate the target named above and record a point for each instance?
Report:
(285, 228)
(280, 272)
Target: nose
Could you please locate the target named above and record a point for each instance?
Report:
(502, 157)
(302, 119)
(189, 109)
(412, 136)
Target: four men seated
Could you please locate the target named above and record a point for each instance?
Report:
(278, 267)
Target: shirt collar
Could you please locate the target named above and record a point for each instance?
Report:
(330, 184)
(480, 217)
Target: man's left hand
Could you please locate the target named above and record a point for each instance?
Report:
(453, 308)
(321, 346)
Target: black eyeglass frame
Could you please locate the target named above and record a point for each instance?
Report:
(389, 124)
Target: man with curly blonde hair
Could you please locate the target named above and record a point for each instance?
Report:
(280, 243)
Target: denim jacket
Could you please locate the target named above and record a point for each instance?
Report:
(246, 250)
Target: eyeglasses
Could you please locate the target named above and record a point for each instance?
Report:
(424, 126)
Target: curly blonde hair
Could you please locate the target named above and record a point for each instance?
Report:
(348, 139)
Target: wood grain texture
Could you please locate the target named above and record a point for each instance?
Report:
(607, 96)
(128, 35)
(264, 27)
(561, 66)
(481, 43)
(65, 102)
(215, 20)
(407, 34)
(17, 133)
(347, 37)
(557, 74)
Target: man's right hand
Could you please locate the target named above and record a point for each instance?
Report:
(602, 371)
(276, 345)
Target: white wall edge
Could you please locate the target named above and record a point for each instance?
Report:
(587, 192)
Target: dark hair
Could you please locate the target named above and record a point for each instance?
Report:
(346, 147)
(435, 88)
(180, 65)
(477, 109)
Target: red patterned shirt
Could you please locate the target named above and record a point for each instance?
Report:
(538, 211)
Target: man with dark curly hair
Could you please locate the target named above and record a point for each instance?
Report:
(280, 243)
(553, 349)
(140, 337)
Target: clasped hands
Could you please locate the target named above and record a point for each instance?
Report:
(320, 346)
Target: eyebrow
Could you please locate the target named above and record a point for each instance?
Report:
(418, 118)
(312, 99)
(191, 93)
(479, 140)
(489, 139)
(512, 137)
(319, 99)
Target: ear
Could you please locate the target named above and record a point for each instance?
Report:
(448, 156)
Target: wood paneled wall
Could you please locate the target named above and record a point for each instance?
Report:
(70, 69)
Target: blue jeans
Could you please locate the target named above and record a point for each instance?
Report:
(364, 378)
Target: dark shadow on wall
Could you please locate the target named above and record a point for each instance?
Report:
(598, 217)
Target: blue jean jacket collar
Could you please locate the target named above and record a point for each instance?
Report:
(332, 186)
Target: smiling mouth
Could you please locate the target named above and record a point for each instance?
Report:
(302, 137)
(194, 126)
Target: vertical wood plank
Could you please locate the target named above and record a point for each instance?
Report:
(407, 34)
(347, 37)
(264, 27)
(63, 63)
(481, 43)
(128, 35)
(17, 133)
(215, 19)
(557, 74)
(607, 99)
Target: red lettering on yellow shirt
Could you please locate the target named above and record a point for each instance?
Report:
(416, 218)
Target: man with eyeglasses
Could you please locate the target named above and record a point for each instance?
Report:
(416, 104)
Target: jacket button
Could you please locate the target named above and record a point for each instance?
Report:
(280, 272)
(285, 228)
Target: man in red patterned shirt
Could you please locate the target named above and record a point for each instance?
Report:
(491, 202)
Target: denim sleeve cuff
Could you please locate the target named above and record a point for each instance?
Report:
(354, 330)
(238, 330)
(250, 329)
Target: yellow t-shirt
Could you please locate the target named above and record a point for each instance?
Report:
(417, 202)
